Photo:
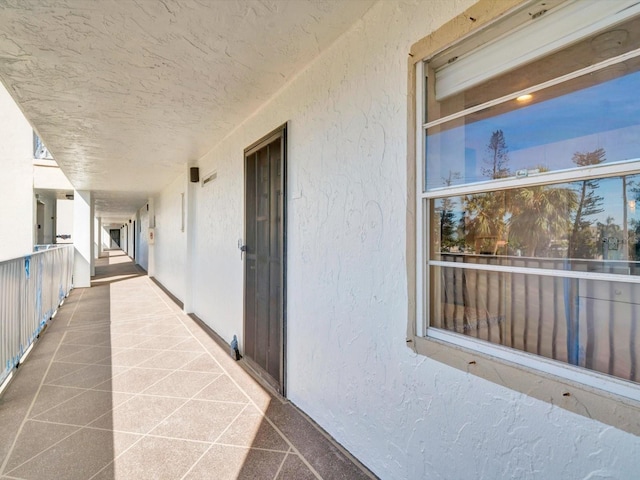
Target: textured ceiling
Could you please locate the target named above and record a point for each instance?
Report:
(126, 92)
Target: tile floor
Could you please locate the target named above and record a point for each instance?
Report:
(124, 385)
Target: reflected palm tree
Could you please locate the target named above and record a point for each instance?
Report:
(539, 215)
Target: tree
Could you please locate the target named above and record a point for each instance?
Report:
(581, 241)
(496, 163)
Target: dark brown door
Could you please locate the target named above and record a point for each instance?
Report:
(264, 257)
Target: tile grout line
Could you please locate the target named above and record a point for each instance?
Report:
(180, 316)
(33, 401)
(24, 421)
(284, 459)
(75, 309)
(196, 462)
(267, 419)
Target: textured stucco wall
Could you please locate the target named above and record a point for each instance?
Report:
(17, 209)
(403, 415)
(170, 245)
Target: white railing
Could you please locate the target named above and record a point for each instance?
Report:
(31, 289)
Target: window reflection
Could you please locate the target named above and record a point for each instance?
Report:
(588, 225)
(599, 111)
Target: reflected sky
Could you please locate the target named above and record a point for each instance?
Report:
(544, 134)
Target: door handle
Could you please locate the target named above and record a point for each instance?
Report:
(243, 248)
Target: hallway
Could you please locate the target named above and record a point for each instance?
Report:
(124, 385)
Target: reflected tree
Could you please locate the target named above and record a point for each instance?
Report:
(497, 160)
(448, 226)
(582, 242)
(540, 216)
(485, 223)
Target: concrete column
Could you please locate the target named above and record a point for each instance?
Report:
(189, 227)
(83, 229)
(98, 252)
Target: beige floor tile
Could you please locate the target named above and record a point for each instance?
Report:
(89, 376)
(131, 357)
(35, 438)
(128, 340)
(251, 429)
(224, 390)
(50, 396)
(78, 456)
(160, 342)
(139, 415)
(182, 384)
(236, 463)
(91, 355)
(58, 370)
(199, 420)
(170, 360)
(84, 408)
(154, 459)
(203, 363)
(188, 345)
(91, 338)
(295, 469)
(133, 380)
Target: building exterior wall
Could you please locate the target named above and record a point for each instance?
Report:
(404, 415)
(17, 210)
(142, 244)
(171, 229)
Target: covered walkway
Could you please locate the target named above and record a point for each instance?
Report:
(124, 385)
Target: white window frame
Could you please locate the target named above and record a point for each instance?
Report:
(589, 378)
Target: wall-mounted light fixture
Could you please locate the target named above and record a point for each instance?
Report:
(194, 174)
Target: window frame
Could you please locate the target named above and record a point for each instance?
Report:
(573, 388)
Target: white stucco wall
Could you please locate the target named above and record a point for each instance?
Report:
(403, 415)
(17, 210)
(171, 237)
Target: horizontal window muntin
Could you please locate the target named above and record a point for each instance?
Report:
(542, 134)
(588, 225)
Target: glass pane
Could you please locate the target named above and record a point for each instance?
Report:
(591, 120)
(592, 324)
(588, 225)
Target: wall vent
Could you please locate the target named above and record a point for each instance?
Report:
(210, 177)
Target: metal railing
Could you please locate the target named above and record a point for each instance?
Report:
(31, 289)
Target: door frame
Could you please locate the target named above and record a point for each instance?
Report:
(281, 132)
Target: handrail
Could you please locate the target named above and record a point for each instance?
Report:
(31, 290)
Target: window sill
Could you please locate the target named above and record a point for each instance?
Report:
(615, 410)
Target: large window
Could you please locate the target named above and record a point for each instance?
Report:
(530, 164)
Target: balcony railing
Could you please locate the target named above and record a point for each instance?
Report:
(31, 289)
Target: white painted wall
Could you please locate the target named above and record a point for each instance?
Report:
(142, 244)
(64, 220)
(17, 210)
(49, 225)
(405, 416)
(171, 237)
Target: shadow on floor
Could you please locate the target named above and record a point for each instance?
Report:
(124, 385)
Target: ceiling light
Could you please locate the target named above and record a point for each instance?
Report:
(524, 98)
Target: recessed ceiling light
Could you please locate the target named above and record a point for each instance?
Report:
(524, 98)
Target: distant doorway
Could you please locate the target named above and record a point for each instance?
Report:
(40, 223)
(264, 265)
(114, 233)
